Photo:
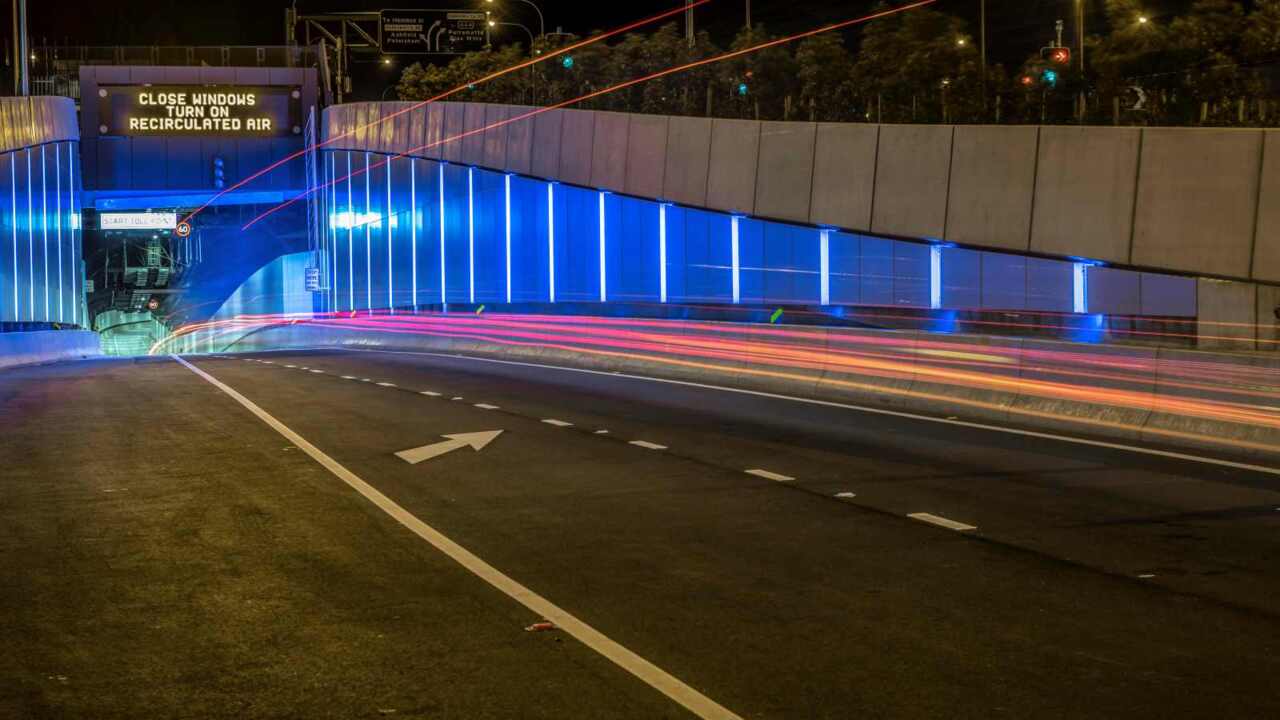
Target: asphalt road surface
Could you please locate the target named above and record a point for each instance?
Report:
(169, 553)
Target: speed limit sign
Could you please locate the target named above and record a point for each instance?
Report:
(183, 229)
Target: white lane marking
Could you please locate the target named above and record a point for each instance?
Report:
(602, 432)
(557, 423)
(861, 408)
(365, 380)
(648, 445)
(321, 372)
(292, 367)
(770, 475)
(657, 678)
(428, 393)
(386, 384)
(459, 397)
(266, 362)
(348, 377)
(845, 495)
(484, 406)
(941, 521)
(1146, 576)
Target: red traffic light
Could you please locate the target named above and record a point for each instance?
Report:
(1027, 79)
(1056, 55)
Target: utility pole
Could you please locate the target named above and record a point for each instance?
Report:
(21, 84)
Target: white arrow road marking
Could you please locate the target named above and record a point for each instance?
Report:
(477, 440)
(657, 678)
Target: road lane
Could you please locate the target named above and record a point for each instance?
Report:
(777, 600)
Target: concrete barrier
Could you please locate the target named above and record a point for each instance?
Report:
(36, 348)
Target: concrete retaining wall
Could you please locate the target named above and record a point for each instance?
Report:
(1028, 383)
(27, 121)
(35, 348)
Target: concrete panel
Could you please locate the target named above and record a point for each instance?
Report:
(435, 131)
(495, 137)
(473, 142)
(731, 174)
(992, 173)
(688, 159)
(455, 124)
(1266, 251)
(784, 181)
(844, 175)
(577, 136)
(912, 168)
(1269, 318)
(1085, 191)
(609, 151)
(646, 155)
(520, 141)
(1227, 314)
(1197, 200)
(546, 144)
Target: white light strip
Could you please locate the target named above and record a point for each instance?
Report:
(413, 224)
(391, 278)
(13, 188)
(31, 245)
(551, 238)
(443, 298)
(44, 225)
(76, 250)
(57, 213)
(1080, 288)
(824, 267)
(737, 291)
(471, 235)
(508, 239)
(604, 288)
(935, 277)
(368, 238)
(333, 236)
(662, 252)
(351, 253)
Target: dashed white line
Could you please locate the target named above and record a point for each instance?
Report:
(557, 423)
(386, 384)
(366, 380)
(456, 398)
(941, 522)
(845, 495)
(428, 393)
(484, 406)
(767, 475)
(319, 372)
(292, 367)
(602, 432)
(647, 445)
(348, 377)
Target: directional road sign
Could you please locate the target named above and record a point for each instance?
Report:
(429, 32)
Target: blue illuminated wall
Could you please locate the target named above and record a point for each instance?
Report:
(40, 243)
(406, 232)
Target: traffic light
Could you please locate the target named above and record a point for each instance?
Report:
(1050, 78)
(219, 173)
(567, 62)
(1060, 56)
(743, 89)
(1028, 80)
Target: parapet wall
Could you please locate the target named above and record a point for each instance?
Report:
(28, 121)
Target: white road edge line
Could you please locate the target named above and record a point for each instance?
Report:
(859, 408)
(770, 475)
(651, 674)
(557, 423)
(647, 445)
(941, 522)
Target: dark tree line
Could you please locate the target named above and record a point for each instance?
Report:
(1216, 64)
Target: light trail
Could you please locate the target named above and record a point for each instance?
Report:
(605, 91)
(491, 76)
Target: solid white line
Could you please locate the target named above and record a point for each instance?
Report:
(655, 677)
(483, 406)
(770, 475)
(557, 423)
(386, 384)
(860, 408)
(648, 445)
(941, 521)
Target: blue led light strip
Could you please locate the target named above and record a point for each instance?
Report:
(351, 238)
(443, 299)
(413, 224)
(604, 289)
(551, 239)
(508, 248)
(662, 252)
(57, 213)
(935, 277)
(368, 237)
(31, 246)
(471, 235)
(44, 225)
(391, 280)
(737, 292)
(824, 267)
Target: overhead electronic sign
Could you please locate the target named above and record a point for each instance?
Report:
(138, 221)
(221, 110)
(425, 32)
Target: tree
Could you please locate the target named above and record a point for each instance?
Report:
(825, 73)
(1261, 40)
(759, 83)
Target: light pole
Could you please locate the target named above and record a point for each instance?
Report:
(542, 24)
(982, 31)
(1080, 52)
(21, 84)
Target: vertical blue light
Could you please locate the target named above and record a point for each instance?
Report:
(824, 267)
(935, 277)
(662, 252)
(442, 274)
(508, 238)
(368, 237)
(57, 214)
(74, 221)
(737, 288)
(413, 225)
(604, 287)
(391, 281)
(551, 239)
(13, 190)
(333, 235)
(1080, 288)
(44, 225)
(471, 234)
(351, 237)
(31, 245)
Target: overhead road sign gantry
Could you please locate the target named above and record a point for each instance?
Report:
(432, 32)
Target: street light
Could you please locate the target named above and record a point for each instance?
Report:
(542, 24)
(962, 42)
(1143, 19)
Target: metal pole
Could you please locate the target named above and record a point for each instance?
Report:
(1080, 51)
(21, 82)
(748, 14)
(983, 34)
(542, 24)
(688, 22)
